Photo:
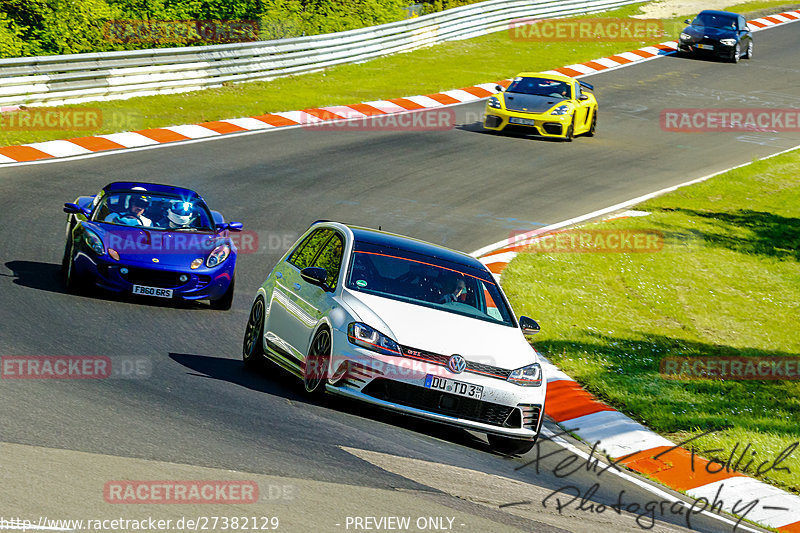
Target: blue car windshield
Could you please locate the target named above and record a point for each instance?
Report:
(428, 282)
(715, 21)
(540, 87)
(153, 211)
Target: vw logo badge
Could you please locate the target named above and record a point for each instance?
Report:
(456, 364)
(155, 260)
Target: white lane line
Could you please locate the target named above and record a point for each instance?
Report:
(128, 139)
(344, 111)
(249, 123)
(617, 434)
(460, 95)
(424, 101)
(732, 489)
(59, 148)
(385, 106)
(606, 62)
(193, 131)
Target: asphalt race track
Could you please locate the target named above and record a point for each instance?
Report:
(462, 188)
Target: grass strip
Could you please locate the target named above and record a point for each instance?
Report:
(725, 283)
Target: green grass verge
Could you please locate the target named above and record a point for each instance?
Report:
(726, 283)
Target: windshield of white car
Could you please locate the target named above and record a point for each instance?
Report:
(540, 87)
(420, 281)
(154, 211)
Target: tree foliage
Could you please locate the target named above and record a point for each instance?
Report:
(42, 27)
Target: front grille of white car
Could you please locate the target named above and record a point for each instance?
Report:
(472, 366)
(440, 402)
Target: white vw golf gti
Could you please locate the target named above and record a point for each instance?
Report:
(401, 324)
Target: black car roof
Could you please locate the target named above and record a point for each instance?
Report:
(715, 12)
(391, 240)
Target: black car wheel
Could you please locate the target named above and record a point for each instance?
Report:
(317, 362)
(252, 347)
(737, 54)
(570, 131)
(73, 283)
(510, 445)
(224, 303)
(590, 133)
(749, 53)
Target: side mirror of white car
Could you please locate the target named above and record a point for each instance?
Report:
(528, 325)
(316, 276)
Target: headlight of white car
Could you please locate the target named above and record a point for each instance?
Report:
(527, 376)
(728, 42)
(218, 255)
(94, 242)
(494, 102)
(563, 109)
(362, 335)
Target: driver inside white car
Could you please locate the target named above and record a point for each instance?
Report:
(134, 216)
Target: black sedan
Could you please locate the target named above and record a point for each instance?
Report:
(720, 34)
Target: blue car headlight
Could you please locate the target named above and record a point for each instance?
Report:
(93, 241)
(494, 102)
(563, 109)
(527, 376)
(685, 37)
(362, 335)
(218, 255)
(728, 42)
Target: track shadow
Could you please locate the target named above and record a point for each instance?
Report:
(477, 127)
(47, 277)
(275, 381)
(36, 275)
(771, 235)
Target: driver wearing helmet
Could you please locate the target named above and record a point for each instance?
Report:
(134, 215)
(179, 215)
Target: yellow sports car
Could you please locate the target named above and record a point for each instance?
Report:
(549, 105)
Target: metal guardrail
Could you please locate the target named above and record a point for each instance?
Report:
(75, 78)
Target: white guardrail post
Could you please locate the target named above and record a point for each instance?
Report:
(75, 78)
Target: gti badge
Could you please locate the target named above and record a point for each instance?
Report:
(456, 364)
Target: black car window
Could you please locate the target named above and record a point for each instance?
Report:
(330, 258)
(303, 256)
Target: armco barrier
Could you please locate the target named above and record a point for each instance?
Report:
(75, 78)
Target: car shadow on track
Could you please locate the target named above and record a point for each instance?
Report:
(275, 381)
(47, 277)
(477, 127)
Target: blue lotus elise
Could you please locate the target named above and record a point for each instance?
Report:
(152, 240)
